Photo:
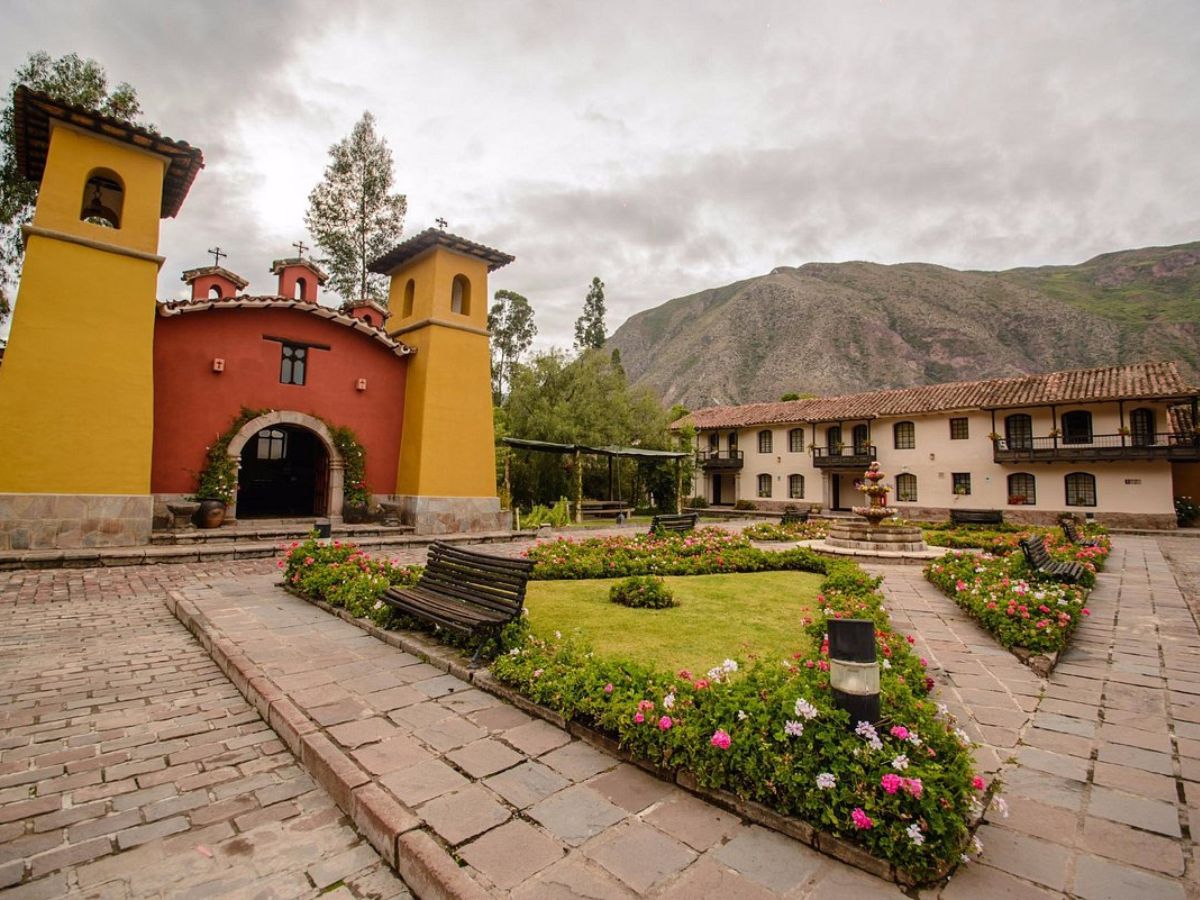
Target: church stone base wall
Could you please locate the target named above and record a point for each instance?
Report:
(71, 521)
(446, 515)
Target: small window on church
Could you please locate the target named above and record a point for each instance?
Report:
(272, 444)
(410, 291)
(103, 199)
(298, 290)
(214, 292)
(292, 366)
(460, 297)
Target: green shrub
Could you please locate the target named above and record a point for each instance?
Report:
(793, 531)
(344, 576)
(642, 592)
(745, 504)
(1187, 511)
(560, 513)
(697, 502)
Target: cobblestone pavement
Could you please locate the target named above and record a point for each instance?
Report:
(131, 767)
(1102, 760)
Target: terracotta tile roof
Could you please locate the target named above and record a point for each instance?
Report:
(178, 307)
(33, 111)
(191, 275)
(434, 237)
(1144, 381)
(279, 264)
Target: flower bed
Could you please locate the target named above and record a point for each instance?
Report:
(344, 576)
(997, 541)
(1020, 612)
(904, 790)
(793, 531)
(705, 551)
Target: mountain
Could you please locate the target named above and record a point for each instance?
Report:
(832, 328)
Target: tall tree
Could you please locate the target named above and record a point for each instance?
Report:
(510, 321)
(353, 214)
(589, 327)
(74, 80)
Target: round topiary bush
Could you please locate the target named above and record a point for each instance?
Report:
(642, 592)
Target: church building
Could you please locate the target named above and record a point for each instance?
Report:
(110, 400)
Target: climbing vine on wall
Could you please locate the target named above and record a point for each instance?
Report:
(218, 479)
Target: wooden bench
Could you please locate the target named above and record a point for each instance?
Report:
(794, 516)
(604, 509)
(1040, 562)
(976, 517)
(681, 523)
(1071, 532)
(465, 592)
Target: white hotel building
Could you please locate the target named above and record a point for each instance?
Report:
(1115, 444)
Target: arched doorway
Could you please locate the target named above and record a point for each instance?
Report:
(284, 473)
(288, 465)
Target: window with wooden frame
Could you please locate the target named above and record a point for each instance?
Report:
(795, 487)
(1077, 427)
(1081, 489)
(960, 428)
(293, 364)
(960, 483)
(905, 435)
(765, 439)
(906, 488)
(764, 485)
(796, 440)
(1022, 489)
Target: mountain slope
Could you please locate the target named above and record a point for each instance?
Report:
(828, 328)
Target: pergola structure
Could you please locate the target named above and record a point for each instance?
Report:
(613, 453)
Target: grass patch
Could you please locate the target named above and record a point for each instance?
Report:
(751, 614)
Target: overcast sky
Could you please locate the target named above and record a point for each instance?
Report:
(670, 146)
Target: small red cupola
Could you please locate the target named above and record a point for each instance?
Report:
(214, 283)
(370, 311)
(298, 278)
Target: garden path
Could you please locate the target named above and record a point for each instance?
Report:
(1101, 761)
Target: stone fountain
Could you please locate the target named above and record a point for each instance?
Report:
(872, 535)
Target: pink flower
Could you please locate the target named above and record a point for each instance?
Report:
(891, 783)
(914, 787)
(861, 820)
(665, 723)
(720, 739)
(608, 688)
(639, 718)
(308, 560)
(910, 639)
(900, 732)
(1086, 611)
(978, 783)
(645, 705)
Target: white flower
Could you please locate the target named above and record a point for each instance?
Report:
(963, 737)
(887, 663)
(793, 729)
(558, 635)
(805, 709)
(826, 781)
(742, 717)
(866, 731)
(1001, 805)
(976, 844)
(900, 763)
(669, 701)
(730, 665)
(515, 651)
(914, 834)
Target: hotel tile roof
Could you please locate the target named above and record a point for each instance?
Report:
(1141, 381)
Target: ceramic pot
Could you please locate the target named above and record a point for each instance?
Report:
(210, 514)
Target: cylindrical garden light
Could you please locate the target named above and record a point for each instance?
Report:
(853, 668)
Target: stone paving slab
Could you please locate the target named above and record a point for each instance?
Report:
(131, 767)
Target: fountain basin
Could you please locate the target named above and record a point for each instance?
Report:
(871, 537)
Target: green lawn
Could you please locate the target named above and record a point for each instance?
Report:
(758, 613)
(639, 521)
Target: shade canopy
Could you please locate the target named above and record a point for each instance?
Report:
(626, 452)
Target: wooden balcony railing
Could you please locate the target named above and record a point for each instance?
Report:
(720, 460)
(846, 458)
(1180, 447)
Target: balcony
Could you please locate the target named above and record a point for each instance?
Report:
(847, 458)
(720, 460)
(1100, 447)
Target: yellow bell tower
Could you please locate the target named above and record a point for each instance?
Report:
(77, 382)
(439, 301)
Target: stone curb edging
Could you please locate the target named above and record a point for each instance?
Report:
(91, 557)
(388, 826)
(442, 657)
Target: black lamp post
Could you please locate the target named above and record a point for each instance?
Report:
(853, 668)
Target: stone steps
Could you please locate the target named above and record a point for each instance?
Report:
(273, 530)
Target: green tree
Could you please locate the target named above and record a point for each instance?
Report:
(73, 80)
(510, 321)
(589, 327)
(353, 214)
(581, 400)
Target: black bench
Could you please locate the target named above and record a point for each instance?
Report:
(1071, 532)
(976, 517)
(682, 522)
(793, 516)
(465, 592)
(604, 509)
(1040, 562)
